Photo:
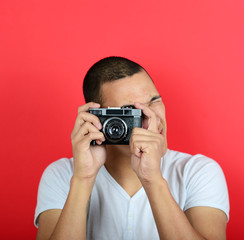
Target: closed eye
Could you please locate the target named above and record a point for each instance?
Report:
(156, 99)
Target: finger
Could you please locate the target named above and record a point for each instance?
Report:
(89, 117)
(84, 130)
(98, 142)
(86, 140)
(95, 136)
(86, 117)
(143, 131)
(146, 138)
(139, 147)
(85, 107)
(150, 115)
(88, 127)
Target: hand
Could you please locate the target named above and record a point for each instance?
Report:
(146, 147)
(87, 159)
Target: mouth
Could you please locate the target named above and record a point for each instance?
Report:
(161, 131)
(160, 128)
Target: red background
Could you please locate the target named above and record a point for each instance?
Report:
(192, 49)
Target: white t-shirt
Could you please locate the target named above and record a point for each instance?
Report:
(113, 214)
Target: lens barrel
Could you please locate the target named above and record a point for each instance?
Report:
(115, 129)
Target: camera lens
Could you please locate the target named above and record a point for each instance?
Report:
(115, 129)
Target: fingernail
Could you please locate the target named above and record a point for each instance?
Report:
(99, 125)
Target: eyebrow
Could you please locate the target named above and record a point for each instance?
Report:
(151, 100)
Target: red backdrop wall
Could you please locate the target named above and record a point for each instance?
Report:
(192, 49)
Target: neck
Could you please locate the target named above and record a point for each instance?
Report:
(118, 159)
(118, 164)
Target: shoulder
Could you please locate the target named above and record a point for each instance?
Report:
(194, 173)
(54, 186)
(199, 178)
(56, 177)
(187, 163)
(62, 168)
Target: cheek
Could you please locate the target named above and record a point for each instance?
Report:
(159, 111)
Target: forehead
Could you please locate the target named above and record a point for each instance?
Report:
(136, 88)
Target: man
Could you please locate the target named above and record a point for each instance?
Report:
(138, 191)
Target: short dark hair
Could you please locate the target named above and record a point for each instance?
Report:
(107, 70)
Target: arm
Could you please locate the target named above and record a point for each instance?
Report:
(70, 222)
(197, 223)
(172, 223)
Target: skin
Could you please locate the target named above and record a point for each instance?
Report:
(143, 95)
(136, 166)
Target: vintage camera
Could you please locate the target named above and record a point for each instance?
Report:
(117, 123)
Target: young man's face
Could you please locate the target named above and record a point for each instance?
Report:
(136, 88)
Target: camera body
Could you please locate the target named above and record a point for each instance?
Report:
(117, 123)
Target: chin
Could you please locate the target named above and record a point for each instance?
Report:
(120, 149)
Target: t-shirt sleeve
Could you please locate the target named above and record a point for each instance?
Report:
(206, 184)
(53, 187)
